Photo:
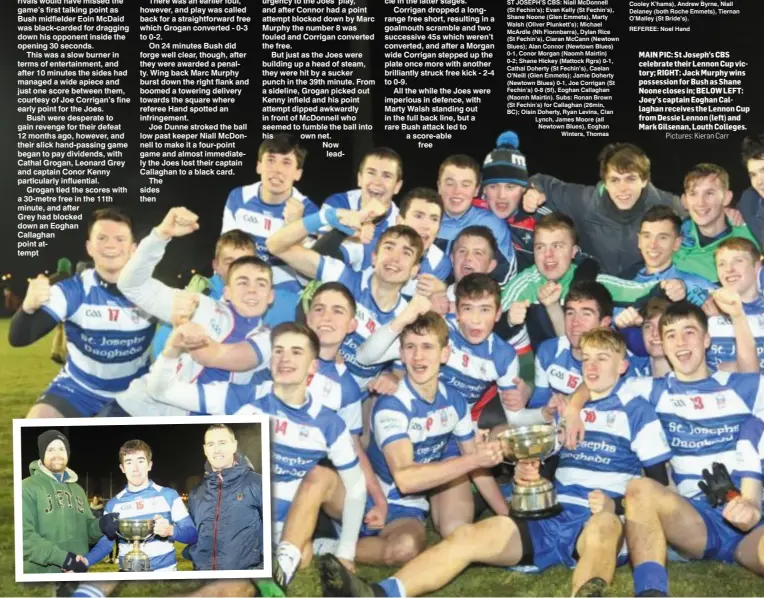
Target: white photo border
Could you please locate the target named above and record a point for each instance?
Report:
(263, 573)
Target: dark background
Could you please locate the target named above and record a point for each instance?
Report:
(571, 159)
(178, 454)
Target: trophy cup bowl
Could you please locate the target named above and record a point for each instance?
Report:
(136, 531)
(538, 499)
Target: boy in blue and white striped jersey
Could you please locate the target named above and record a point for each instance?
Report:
(144, 499)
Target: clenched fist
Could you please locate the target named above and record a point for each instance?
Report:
(674, 289)
(518, 311)
(629, 318)
(38, 293)
(533, 199)
(178, 223)
(729, 302)
(549, 293)
(293, 210)
(184, 304)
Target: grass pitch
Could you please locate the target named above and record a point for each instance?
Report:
(26, 374)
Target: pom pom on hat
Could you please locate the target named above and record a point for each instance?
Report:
(508, 139)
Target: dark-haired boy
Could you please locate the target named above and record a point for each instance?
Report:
(108, 337)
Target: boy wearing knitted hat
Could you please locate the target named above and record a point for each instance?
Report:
(58, 524)
(504, 176)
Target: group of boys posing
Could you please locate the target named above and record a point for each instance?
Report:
(385, 325)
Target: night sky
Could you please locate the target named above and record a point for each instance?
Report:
(177, 452)
(572, 159)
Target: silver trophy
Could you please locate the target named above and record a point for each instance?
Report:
(137, 531)
(538, 499)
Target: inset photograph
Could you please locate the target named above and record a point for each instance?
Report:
(142, 498)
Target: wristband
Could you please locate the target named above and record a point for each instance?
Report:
(315, 222)
(328, 216)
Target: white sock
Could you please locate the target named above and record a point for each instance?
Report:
(325, 546)
(288, 557)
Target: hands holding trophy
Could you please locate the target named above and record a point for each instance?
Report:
(533, 497)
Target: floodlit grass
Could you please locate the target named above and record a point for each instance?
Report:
(25, 375)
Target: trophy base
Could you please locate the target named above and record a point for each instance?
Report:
(135, 566)
(538, 514)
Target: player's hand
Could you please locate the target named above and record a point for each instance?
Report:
(184, 304)
(351, 219)
(162, 527)
(109, 525)
(177, 223)
(600, 502)
(527, 470)
(574, 427)
(516, 398)
(717, 485)
(549, 293)
(429, 284)
(710, 308)
(74, 563)
(440, 303)
(38, 293)
(373, 210)
(365, 234)
(293, 210)
(533, 199)
(674, 289)
(729, 302)
(556, 405)
(735, 216)
(384, 384)
(487, 451)
(417, 306)
(518, 311)
(189, 337)
(629, 318)
(742, 513)
(376, 516)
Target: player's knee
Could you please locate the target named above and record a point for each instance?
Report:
(402, 548)
(319, 479)
(604, 528)
(42, 410)
(467, 535)
(640, 492)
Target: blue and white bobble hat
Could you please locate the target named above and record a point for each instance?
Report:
(505, 164)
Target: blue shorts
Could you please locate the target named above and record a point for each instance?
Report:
(71, 399)
(394, 512)
(722, 537)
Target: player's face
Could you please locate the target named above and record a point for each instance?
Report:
(457, 187)
(503, 198)
(706, 200)
(685, 345)
(220, 448)
(292, 360)
(624, 188)
(471, 254)
(602, 368)
(553, 252)
(56, 457)
(136, 468)
(424, 218)
(278, 172)
(395, 260)
(378, 179)
(657, 243)
(580, 317)
(736, 270)
(477, 317)
(227, 256)
(249, 290)
(652, 338)
(422, 356)
(110, 245)
(331, 318)
(756, 172)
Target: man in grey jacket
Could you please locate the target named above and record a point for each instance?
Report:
(606, 215)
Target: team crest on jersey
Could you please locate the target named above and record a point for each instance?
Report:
(139, 504)
(443, 418)
(304, 432)
(239, 496)
(721, 401)
(610, 418)
(135, 317)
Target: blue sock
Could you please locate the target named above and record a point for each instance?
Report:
(650, 576)
(85, 590)
(392, 587)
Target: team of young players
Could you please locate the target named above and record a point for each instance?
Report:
(431, 374)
